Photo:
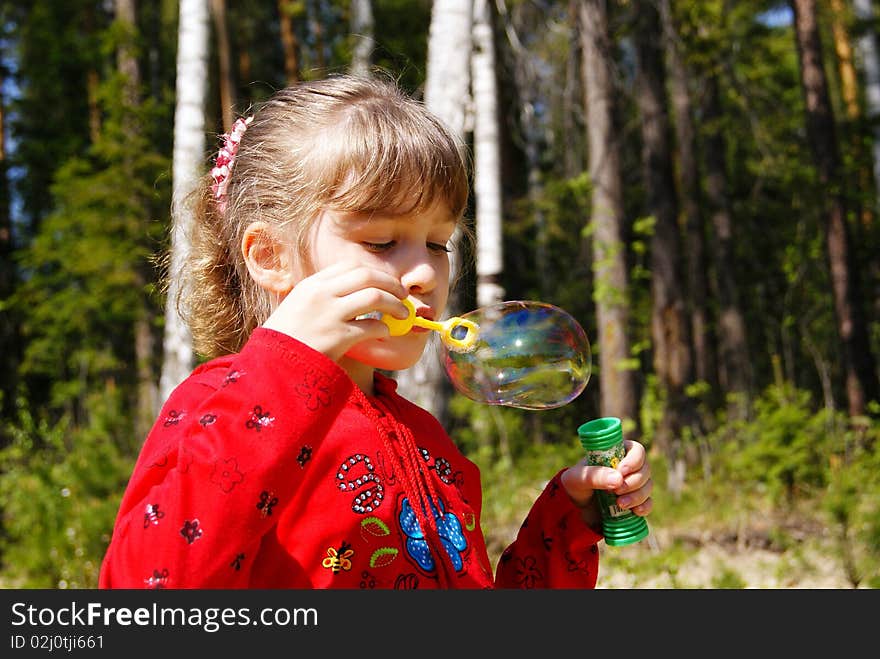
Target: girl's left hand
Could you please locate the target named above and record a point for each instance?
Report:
(630, 481)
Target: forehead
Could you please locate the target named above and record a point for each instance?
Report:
(437, 216)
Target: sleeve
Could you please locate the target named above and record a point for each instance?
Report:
(221, 454)
(554, 547)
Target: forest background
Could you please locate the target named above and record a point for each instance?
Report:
(695, 181)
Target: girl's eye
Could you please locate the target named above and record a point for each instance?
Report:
(378, 247)
(439, 247)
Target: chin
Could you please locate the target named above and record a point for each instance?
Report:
(384, 356)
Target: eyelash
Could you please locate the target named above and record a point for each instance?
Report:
(381, 247)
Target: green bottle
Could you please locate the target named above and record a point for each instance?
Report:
(602, 439)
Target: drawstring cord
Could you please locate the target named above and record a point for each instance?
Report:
(419, 488)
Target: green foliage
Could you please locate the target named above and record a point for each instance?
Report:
(852, 501)
(60, 485)
(784, 446)
(88, 269)
(728, 578)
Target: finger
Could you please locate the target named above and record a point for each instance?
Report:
(634, 459)
(348, 277)
(636, 497)
(643, 508)
(602, 478)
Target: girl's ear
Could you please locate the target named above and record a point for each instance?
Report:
(268, 260)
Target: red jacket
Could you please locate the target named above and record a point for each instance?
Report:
(271, 469)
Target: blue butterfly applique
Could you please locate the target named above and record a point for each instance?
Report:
(449, 528)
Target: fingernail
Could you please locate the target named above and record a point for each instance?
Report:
(623, 502)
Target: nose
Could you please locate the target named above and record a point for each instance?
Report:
(418, 272)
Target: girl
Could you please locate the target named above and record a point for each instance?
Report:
(289, 460)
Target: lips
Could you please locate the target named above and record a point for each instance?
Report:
(425, 312)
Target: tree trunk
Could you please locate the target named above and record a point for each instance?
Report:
(289, 43)
(849, 91)
(702, 330)
(527, 92)
(228, 99)
(362, 28)
(617, 381)
(316, 27)
(734, 363)
(487, 160)
(188, 153)
(859, 365)
(870, 60)
(670, 330)
(126, 62)
(8, 324)
(447, 95)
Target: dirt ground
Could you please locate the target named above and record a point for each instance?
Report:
(732, 560)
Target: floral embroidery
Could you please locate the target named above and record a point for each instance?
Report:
(449, 529)
(527, 572)
(191, 531)
(337, 560)
(153, 515)
(236, 562)
(158, 579)
(226, 474)
(575, 565)
(259, 419)
(268, 500)
(305, 454)
(315, 389)
(173, 418)
(232, 377)
(207, 419)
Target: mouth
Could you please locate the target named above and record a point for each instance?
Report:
(425, 312)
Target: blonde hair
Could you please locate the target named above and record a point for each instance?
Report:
(344, 142)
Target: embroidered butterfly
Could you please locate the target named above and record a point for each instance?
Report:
(449, 528)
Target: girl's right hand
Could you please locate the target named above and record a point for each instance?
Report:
(322, 310)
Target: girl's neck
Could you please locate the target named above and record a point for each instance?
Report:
(360, 373)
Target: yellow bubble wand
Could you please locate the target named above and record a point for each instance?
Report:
(457, 333)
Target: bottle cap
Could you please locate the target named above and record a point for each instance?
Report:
(600, 434)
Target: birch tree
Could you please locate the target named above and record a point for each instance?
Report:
(447, 95)
(487, 160)
(362, 33)
(188, 152)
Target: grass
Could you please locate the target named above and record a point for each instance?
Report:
(712, 535)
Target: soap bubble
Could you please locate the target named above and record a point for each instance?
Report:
(529, 355)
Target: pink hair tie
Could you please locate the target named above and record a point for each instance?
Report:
(226, 159)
